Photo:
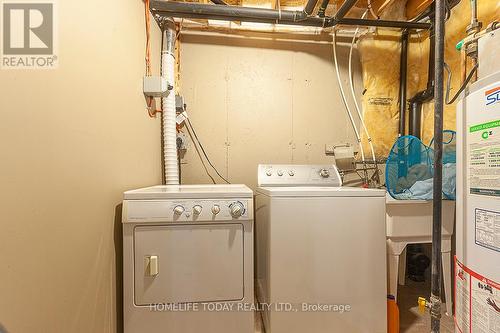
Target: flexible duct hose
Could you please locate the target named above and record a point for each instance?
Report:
(171, 171)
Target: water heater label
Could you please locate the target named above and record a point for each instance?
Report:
(484, 158)
(488, 229)
(477, 301)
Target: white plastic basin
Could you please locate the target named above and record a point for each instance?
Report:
(413, 218)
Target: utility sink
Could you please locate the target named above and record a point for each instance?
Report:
(413, 218)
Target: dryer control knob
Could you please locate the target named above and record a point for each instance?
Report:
(215, 209)
(324, 173)
(237, 209)
(178, 210)
(197, 209)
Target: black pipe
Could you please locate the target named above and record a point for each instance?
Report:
(344, 9)
(219, 2)
(426, 95)
(263, 15)
(234, 13)
(382, 23)
(403, 71)
(439, 25)
(309, 8)
(322, 8)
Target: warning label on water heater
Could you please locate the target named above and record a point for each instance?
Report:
(488, 229)
(484, 159)
(477, 301)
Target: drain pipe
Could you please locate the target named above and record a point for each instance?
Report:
(169, 130)
(425, 95)
(439, 24)
(403, 73)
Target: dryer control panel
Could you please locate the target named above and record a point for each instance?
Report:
(298, 175)
(203, 211)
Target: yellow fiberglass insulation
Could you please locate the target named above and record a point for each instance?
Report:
(488, 11)
(380, 59)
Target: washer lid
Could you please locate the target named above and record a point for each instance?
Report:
(189, 192)
(313, 191)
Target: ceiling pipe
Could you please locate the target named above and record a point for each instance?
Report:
(384, 23)
(344, 9)
(309, 8)
(263, 15)
(219, 2)
(322, 8)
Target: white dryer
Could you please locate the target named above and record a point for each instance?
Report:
(320, 252)
(188, 259)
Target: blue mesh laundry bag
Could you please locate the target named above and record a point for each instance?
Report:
(408, 163)
(449, 163)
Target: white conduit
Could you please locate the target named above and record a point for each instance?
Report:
(171, 171)
(351, 81)
(334, 43)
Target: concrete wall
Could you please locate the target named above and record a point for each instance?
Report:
(71, 141)
(255, 100)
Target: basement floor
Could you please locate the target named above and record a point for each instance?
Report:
(411, 320)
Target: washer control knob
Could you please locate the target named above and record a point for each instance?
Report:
(280, 173)
(237, 209)
(215, 209)
(197, 209)
(291, 173)
(324, 173)
(178, 210)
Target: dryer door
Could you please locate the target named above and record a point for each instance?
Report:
(188, 263)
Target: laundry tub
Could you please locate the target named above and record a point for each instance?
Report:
(410, 222)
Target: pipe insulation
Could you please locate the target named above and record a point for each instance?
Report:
(168, 119)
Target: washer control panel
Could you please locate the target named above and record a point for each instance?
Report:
(298, 175)
(188, 210)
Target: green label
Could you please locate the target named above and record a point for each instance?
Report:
(484, 126)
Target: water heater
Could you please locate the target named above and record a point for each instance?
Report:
(477, 260)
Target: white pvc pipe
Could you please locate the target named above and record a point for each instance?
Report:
(351, 81)
(342, 93)
(171, 171)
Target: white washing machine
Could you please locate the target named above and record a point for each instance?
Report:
(188, 259)
(320, 252)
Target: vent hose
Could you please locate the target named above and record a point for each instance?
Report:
(168, 119)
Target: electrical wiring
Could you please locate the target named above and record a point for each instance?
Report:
(199, 155)
(344, 100)
(351, 81)
(148, 38)
(204, 152)
(448, 84)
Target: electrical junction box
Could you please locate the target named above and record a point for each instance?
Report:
(156, 86)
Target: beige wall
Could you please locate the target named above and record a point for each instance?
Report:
(254, 100)
(71, 141)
